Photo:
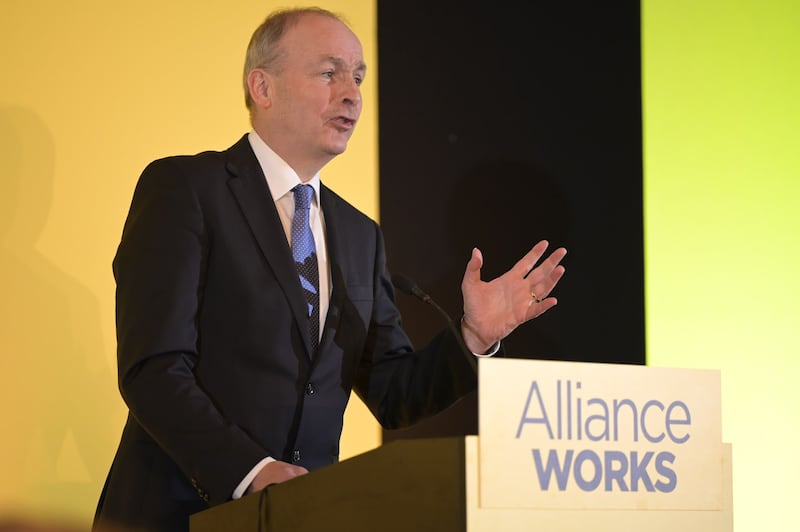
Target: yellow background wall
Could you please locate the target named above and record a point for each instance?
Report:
(91, 92)
(721, 90)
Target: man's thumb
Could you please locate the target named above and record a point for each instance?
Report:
(474, 265)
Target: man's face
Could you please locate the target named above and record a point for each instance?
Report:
(315, 95)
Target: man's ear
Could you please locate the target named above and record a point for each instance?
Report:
(258, 83)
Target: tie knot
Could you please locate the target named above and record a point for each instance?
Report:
(302, 196)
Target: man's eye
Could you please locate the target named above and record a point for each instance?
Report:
(359, 80)
(328, 74)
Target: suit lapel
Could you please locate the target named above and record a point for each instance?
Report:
(336, 266)
(249, 187)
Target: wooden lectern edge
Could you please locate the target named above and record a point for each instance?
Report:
(403, 485)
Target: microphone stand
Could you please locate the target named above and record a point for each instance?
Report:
(407, 286)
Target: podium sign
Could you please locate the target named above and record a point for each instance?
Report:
(563, 446)
(587, 436)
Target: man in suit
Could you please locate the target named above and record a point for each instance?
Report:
(236, 366)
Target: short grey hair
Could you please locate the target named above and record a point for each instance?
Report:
(264, 50)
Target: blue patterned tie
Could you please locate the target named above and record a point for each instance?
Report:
(304, 252)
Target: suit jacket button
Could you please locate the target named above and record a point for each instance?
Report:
(295, 456)
(310, 390)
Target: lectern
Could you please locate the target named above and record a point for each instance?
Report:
(564, 446)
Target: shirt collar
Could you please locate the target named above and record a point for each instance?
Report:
(281, 178)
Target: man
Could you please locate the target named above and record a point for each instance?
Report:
(236, 366)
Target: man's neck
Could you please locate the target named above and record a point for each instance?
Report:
(305, 170)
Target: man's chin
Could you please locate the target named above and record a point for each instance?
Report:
(336, 148)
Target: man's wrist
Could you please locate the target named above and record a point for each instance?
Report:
(472, 339)
(244, 485)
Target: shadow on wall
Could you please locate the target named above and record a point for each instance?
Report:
(56, 400)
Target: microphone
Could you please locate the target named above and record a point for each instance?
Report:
(407, 286)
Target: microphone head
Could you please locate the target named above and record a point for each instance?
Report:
(404, 284)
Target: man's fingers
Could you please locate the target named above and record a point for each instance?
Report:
(543, 288)
(528, 262)
(537, 309)
(473, 271)
(275, 472)
(543, 271)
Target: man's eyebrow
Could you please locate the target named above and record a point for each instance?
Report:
(340, 63)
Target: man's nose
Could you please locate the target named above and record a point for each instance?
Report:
(351, 93)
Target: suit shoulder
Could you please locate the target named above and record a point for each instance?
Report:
(345, 209)
(186, 163)
(208, 162)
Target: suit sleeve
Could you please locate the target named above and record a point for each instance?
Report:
(399, 385)
(159, 269)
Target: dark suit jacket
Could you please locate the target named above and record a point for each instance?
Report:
(213, 347)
